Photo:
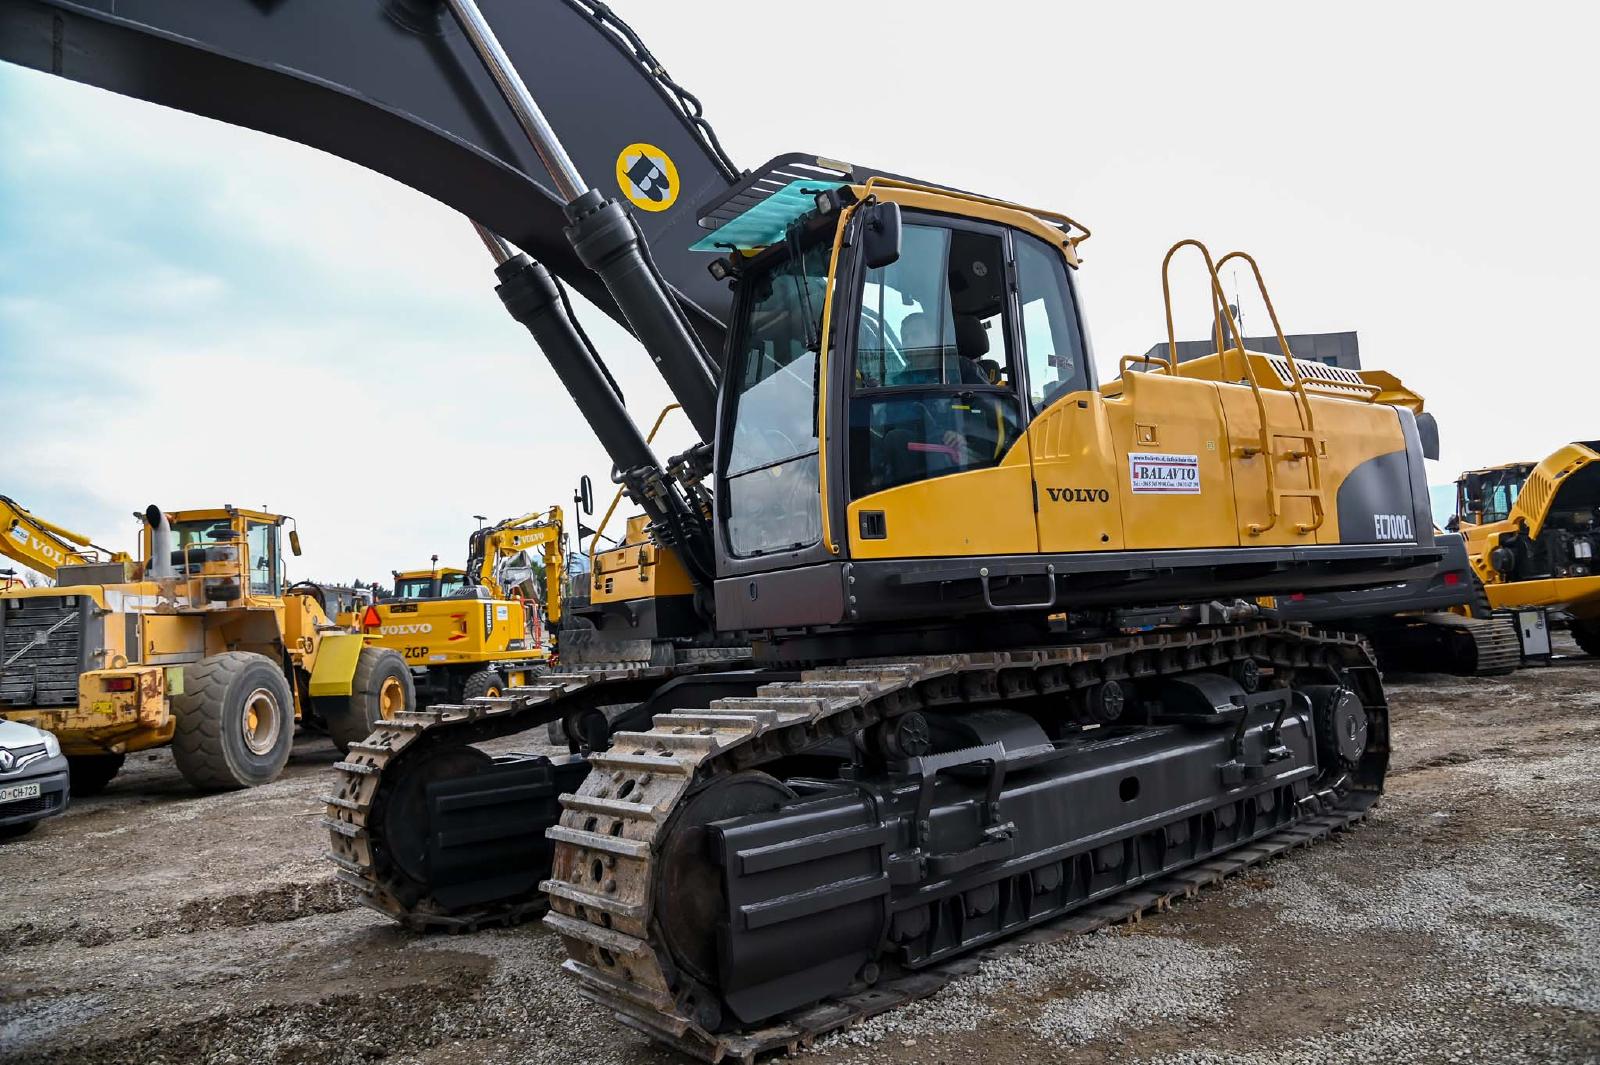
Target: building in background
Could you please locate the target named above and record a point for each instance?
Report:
(1334, 349)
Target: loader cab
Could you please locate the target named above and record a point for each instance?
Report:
(1484, 497)
(850, 382)
(237, 552)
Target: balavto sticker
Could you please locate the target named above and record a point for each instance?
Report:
(1157, 473)
(647, 177)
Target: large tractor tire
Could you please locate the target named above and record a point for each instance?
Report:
(90, 773)
(1587, 633)
(235, 721)
(382, 688)
(482, 683)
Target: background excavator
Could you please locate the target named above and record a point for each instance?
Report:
(469, 633)
(954, 641)
(43, 546)
(1533, 533)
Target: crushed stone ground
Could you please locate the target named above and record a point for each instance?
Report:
(1461, 924)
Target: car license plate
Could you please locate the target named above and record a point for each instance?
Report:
(19, 791)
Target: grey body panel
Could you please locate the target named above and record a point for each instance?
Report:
(845, 592)
(1424, 593)
(1385, 499)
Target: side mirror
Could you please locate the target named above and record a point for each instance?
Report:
(294, 542)
(880, 235)
(585, 495)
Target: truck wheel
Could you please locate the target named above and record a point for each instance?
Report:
(235, 721)
(484, 682)
(90, 773)
(1587, 633)
(381, 689)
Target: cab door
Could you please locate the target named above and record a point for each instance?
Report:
(939, 464)
(1077, 493)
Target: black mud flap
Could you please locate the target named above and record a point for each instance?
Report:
(486, 838)
(808, 901)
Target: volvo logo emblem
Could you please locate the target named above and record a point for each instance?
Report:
(8, 760)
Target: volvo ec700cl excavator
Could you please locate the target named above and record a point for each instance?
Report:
(938, 638)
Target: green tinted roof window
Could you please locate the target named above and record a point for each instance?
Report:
(765, 224)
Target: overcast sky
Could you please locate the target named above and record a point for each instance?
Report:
(192, 314)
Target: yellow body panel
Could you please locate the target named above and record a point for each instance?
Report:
(1084, 448)
(639, 569)
(1080, 481)
(435, 632)
(995, 507)
(334, 667)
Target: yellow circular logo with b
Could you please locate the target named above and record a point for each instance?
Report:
(647, 177)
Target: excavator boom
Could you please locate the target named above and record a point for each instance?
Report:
(44, 546)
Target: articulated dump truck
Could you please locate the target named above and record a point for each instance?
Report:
(944, 639)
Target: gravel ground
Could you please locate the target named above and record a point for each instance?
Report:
(1461, 924)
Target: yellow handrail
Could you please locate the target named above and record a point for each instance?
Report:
(594, 541)
(1223, 326)
(1308, 422)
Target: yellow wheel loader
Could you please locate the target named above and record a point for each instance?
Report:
(1533, 535)
(200, 646)
(472, 632)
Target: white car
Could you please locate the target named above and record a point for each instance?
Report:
(33, 778)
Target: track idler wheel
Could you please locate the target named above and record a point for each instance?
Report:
(689, 897)
(407, 825)
(1341, 722)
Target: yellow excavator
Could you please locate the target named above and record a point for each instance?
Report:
(43, 546)
(198, 645)
(948, 641)
(1533, 535)
(469, 633)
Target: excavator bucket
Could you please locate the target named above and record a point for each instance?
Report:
(395, 86)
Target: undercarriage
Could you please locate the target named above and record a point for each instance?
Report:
(808, 846)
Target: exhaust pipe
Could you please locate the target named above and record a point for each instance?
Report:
(160, 543)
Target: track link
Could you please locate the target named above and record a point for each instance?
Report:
(1497, 649)
(604, 879)
(354, 805)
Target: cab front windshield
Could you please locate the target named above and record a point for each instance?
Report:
(771, 465)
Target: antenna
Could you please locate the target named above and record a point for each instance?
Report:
(1238, 307)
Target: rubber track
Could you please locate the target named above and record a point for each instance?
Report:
(603, 881)
(354, 805)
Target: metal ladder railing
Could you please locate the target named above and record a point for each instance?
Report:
(1224, 326)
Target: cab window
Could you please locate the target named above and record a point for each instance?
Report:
(261, 539)
(933, 385)
(771, 467)
(1052, 343)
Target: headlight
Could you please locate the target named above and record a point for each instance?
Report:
(52, 746)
